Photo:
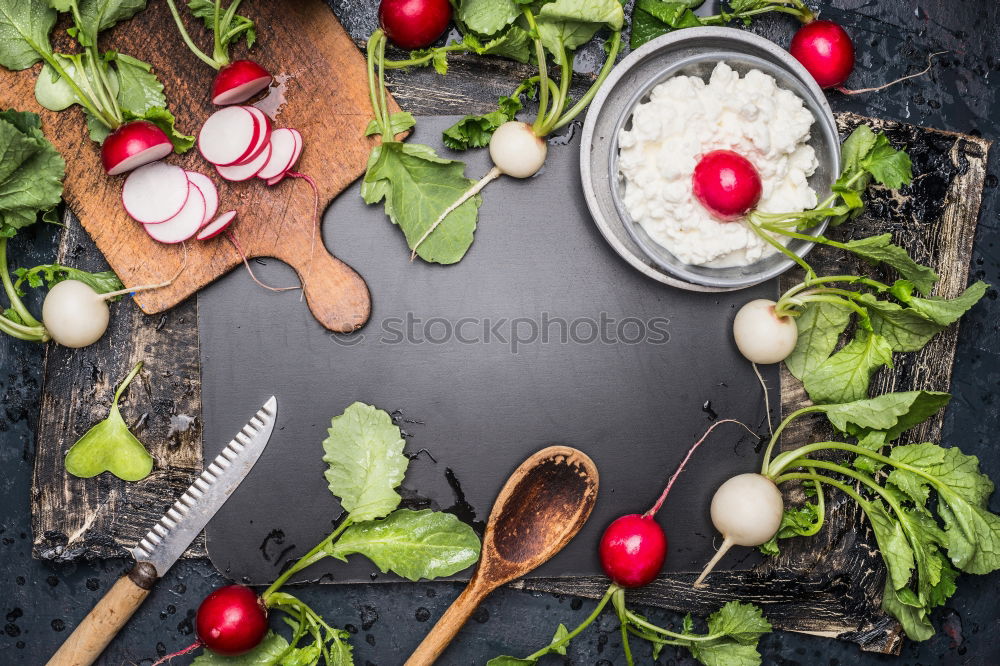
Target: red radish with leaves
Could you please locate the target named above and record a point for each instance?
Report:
(231, 620)
(132, 145)
(414, 24)
(727, 184)
(236, 81)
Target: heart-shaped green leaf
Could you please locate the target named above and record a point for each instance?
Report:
(110, 447)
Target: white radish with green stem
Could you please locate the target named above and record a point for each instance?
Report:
(518, 149)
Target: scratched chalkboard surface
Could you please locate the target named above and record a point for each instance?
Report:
(540, 335)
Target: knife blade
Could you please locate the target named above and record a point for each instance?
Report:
(168, 539)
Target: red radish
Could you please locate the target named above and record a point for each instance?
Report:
(727, 184)
(216, 227)
(185, 224)
(230, 135)
(826, 51)
(208, 190)
(245, 170)
(414, 24)
(633, 549)
(277, 179)
(231, 621)
(132, 145)
(263, 138)
(155, 192)
(239, 81)
(283, 143)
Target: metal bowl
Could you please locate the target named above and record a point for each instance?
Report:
(691, 52)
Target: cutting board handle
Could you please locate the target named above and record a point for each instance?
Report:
(103, 623)
(336, 295)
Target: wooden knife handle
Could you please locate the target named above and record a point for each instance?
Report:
(103, 623)
(448, 626)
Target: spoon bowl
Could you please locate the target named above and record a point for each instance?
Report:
(540, 509)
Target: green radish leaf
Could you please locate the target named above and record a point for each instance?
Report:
(240, 25)
(399, 122)
(163, 119)
(856, 147)
(102, 282)
(417, 187)
(889, 167)
(880, 249)
(801, 520)
(959, 472)
(99, 15)
(561, 633)
(266, 653)
(652, 18)
(844, 377)
(505, 660)
(476, 131)
(488, 17)
(513, 43)
(891, 413)
(31, 172)
(820, 326)
(905, 329)
(364, 451)
(915, 620)
(54, 92)
(110, 447)
(413, 544)
(945, 312)
(24, 32)
(892, 543)
(569, 24)
(744, 623)
(138, 90)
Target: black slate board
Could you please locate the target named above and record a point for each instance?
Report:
(479, 408)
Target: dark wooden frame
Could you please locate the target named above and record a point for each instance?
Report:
(829, 585)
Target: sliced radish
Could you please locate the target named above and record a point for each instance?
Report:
(155, 192)
(208, 190)
(229, 135)
(132, 145)
(277, 179)
(263, 139)
(282, 151)
(239, 81)
(218, 226)
(247, 170)
(298, 149)
(184, 224)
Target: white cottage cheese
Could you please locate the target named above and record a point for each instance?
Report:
(686, 118)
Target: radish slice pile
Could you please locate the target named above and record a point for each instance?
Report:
(220, 224)
(239, 141)
(172, 204)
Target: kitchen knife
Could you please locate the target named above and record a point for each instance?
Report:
(168, 539)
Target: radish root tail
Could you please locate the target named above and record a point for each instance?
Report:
(231, 237)
(148, 287)
(767, 399)
(726, 545)
(846, 91)
(680, 468)
(493, 174)
(166, 658)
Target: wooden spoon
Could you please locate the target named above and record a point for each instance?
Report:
(542, 506)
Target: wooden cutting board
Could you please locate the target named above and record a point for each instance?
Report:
(327, 100)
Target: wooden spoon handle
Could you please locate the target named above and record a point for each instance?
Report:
(448, 626)
(103, 623)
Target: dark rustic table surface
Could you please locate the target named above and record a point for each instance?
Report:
(42, 602)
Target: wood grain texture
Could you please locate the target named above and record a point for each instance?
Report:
(328, 102)
(830, 585)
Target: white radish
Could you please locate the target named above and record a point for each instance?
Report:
(747, 511)
(283, 144)
(217, 226)
(185, 224)
(74, 314)
(229, 135)
(762, 335)
(246, 170)
(209, 191)
(516, 151)
(298, 149)
(155, 192)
